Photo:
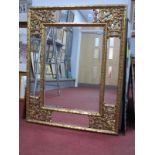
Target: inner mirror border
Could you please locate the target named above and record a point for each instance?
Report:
(102, 81)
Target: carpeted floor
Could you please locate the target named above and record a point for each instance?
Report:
(74, 98)
(83, 98)
(46, 140)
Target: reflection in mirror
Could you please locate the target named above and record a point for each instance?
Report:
(72, 66)
(112, 69)
(35, 65)
(75, 16)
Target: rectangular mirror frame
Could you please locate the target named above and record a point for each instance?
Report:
(113, 17)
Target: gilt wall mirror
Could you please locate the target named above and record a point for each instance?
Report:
(75, 67)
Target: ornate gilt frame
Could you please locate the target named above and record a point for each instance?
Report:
(113, 18)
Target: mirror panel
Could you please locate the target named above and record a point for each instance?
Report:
(61, 16)
(35, 65)
(112, 70)
(72, 67)
(74, 16)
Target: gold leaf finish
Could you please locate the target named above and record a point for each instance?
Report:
(113, 17)
(36, 113)
(41, 16)
(107, 120)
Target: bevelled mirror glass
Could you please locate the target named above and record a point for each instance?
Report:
(112, 70)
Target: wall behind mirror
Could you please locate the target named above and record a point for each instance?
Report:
(22, 48)
(22, 61)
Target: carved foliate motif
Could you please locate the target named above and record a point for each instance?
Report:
(36, 113)
(113, 17)
(105, 122)
(39, 17)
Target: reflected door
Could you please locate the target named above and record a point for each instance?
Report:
(90, 59)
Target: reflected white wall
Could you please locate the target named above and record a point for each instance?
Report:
(78, 17)
(75, 54)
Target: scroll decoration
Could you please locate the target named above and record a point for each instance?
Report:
(113, 17)
(39, 17)
(105, 122)
(36, 113)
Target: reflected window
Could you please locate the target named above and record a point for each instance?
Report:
(110, 72)
(97, 42)
(96, 53)
(111, 42)
(111, 50)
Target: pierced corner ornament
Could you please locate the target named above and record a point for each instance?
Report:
(36, 113)
(105, 122)
(41, 16)
(113, 17)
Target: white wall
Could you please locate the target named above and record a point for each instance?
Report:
(23, 17)
(75, 2)
(75, 46)
(78, 17)
(23, 38)
(22, 67)
(23, 86)
(23, 35)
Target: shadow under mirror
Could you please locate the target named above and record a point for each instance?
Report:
(112, 70)
(72, 67)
